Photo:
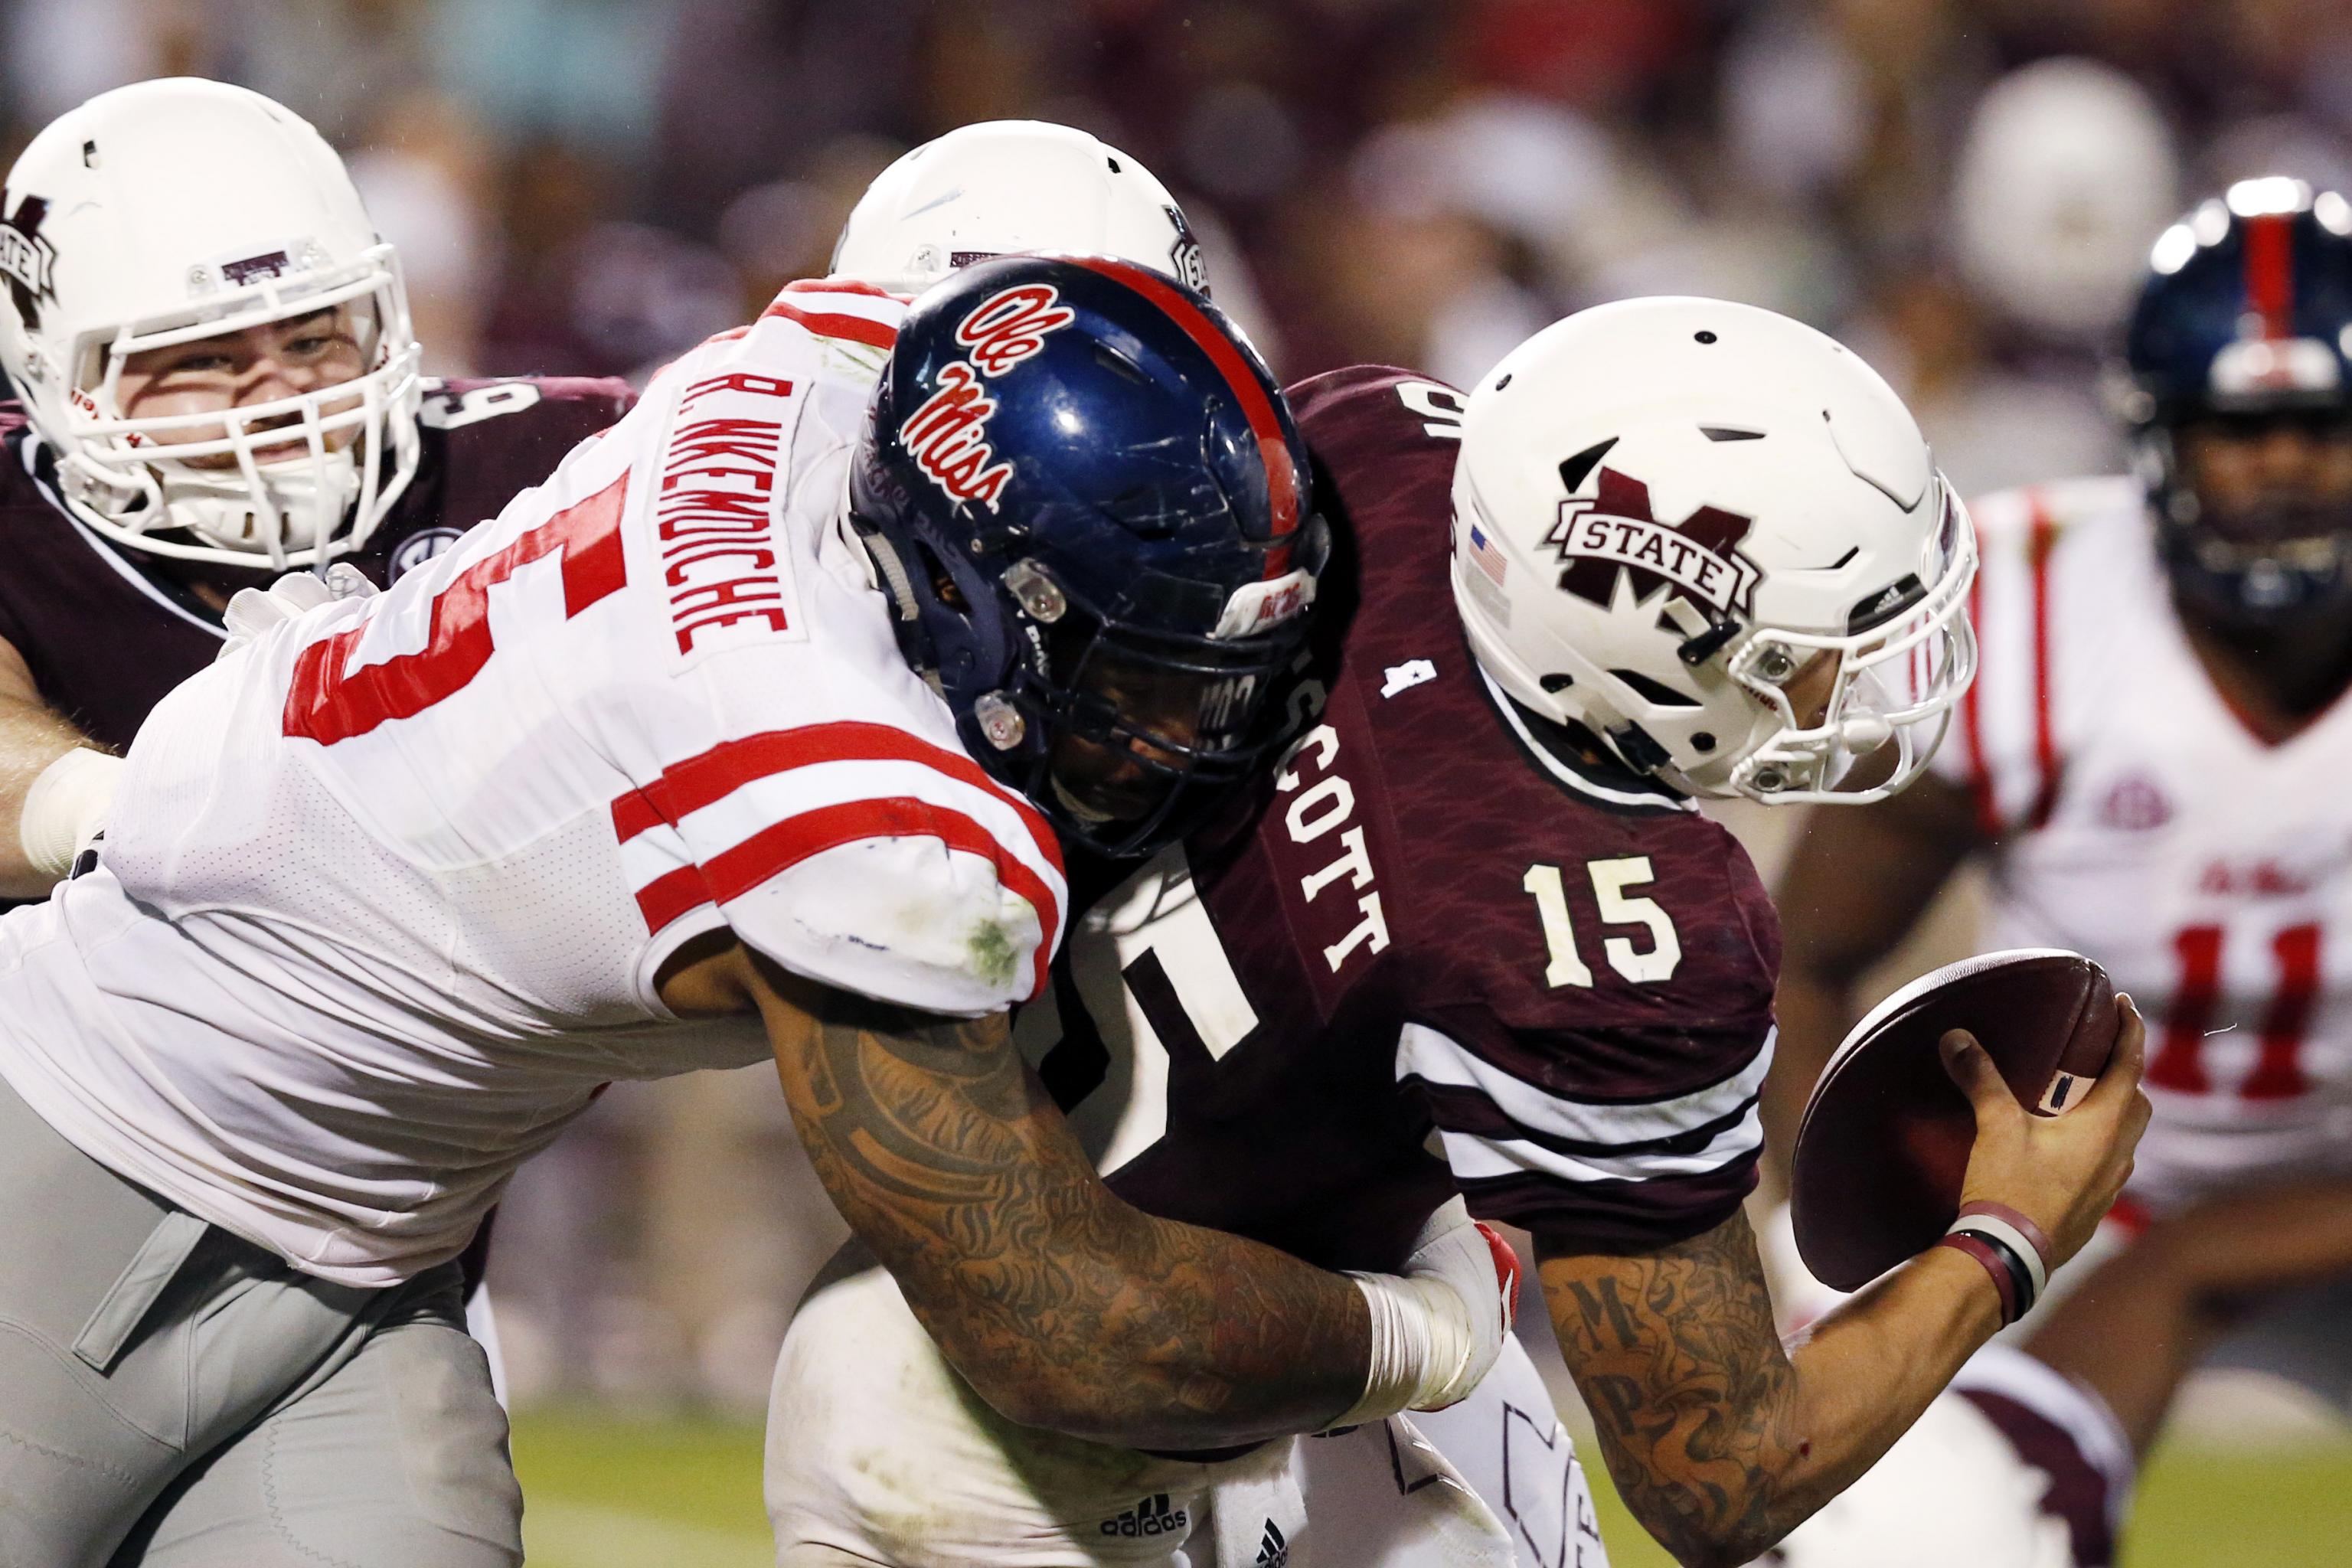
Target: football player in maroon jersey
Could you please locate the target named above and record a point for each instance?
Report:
(215, 383)
(1698, 549)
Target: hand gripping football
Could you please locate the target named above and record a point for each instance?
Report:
(1885, 1144)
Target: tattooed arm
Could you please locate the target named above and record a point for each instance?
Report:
(1720, 1440)
(1062, 1305)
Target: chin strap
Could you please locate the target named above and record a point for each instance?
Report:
(221, 509)
(896, 586)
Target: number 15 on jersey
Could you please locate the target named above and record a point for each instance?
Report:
(1610, 881)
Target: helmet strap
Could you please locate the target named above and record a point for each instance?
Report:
(1639, 748)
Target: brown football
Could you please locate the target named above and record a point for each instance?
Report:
(1885, 1143)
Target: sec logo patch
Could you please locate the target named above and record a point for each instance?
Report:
(417, 549)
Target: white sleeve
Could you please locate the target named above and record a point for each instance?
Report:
(857, 852)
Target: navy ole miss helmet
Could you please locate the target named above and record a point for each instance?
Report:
(1092, 515)
(2243, 326)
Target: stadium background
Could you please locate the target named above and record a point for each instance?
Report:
(589, 186)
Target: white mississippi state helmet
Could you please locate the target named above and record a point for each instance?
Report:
(1668, 508)
(1008, 185)
(172, 211)
(1952, 1492)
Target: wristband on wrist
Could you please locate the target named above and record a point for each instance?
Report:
(2013, 1250)
(1400, 1350)
(2005, 1267)
(2015, 1231)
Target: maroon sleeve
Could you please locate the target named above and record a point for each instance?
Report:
(1585, 963)
(489, 440)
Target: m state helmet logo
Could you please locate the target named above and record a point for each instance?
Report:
(1615, 533)
(27, 260)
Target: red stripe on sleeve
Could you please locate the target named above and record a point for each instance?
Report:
(671, 896)
(1264, 423)
(840, 286)
(688, 786)
(775, 850)
(2270, 272)
(2045, 745)
(855, 329)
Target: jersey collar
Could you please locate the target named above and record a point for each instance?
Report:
(1577, 761)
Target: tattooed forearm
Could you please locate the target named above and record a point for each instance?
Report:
(1719, 1442)
(1691, 1392)
(1062, 1305)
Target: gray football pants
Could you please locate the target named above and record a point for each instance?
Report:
(175, 1398)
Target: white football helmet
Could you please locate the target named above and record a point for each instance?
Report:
(1667, 510)
(2067, 173)
(172, 211)
(1008, 185)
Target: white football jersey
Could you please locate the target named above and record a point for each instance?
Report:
(2139, 821)
(386, 890)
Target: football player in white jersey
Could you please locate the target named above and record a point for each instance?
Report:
(669, 767)
(2151, 763)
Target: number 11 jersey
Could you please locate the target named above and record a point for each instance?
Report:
(1435, 916)
(2134, 816)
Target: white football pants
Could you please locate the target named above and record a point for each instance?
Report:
(879, 1454)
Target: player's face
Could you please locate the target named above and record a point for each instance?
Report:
(241, 370)
(1813, 687)
(1809, 692)
(1163, 713)
(2271, 480)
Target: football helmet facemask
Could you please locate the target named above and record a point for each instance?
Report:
(1714, 539)
(169, 213)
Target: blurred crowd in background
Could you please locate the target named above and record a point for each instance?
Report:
(1963, 190)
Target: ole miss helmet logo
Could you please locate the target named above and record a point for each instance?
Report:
(947, 434)
(1615, 533)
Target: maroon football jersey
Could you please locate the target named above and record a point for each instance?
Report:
(106, 638)
(1438, 914)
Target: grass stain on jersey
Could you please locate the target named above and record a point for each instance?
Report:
(994, 954)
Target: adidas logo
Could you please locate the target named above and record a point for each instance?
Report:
(1273, 1551)
(1153, 1516)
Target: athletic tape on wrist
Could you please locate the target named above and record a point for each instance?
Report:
(1400, 1350)
(65, 805)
